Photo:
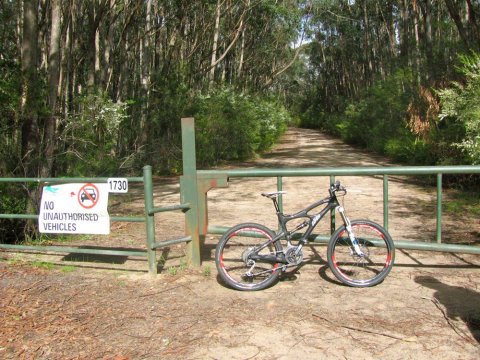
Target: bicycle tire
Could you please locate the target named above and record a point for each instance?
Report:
(361, 271)
(233, 262)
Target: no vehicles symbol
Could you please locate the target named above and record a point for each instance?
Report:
(88, 196)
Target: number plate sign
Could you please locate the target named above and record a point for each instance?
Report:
(117, 185)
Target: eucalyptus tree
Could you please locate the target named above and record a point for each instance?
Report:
(117, 75)
(369, 57)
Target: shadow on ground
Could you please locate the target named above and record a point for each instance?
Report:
(459, 303)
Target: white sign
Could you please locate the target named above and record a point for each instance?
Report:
(74, 209)
(118, 185)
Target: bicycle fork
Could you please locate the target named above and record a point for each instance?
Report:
(351, 235)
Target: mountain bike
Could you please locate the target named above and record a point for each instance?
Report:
(251, 256)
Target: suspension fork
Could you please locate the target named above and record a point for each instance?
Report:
(348, 227)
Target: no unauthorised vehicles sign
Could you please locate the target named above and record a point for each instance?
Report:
(74, 209)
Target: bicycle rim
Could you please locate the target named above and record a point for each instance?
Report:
(367, 269)
(234, 258)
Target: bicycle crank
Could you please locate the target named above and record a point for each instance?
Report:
(293, 258)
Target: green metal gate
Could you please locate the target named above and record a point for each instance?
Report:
(188, 204)
(194, 186)
(222, 176)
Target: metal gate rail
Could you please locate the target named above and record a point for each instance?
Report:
(205, 176)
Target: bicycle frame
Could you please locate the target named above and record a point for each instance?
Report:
(313, 220)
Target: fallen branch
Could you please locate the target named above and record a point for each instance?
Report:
(459, 332)
(32, 286)
(411, 339)
(159, 292)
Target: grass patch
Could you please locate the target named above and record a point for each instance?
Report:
(68, 269)
(14, 260)
(466, 203)
(183, 265)
(50, 239)
(43, 265)
(206, 271)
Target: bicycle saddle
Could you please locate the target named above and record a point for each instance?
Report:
(274, 194)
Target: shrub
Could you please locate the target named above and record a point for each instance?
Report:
(376, 117)
(90, 136)
(459, 104)
(13, 201)
(376, 120)
(409, 150)
(232, 126)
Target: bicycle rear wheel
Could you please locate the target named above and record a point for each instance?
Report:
(239, 262)
(368, 268)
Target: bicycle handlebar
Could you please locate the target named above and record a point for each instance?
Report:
(337, 187)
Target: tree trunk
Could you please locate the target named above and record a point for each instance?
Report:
(242, 54)
(30, 107)
(474, 25)
(95, 15)
(53, 81)
(428, 39)
(215, 40)
(92, 31)
(367, 46)
(145, 68)
(455, 15)
(30, 91)
(107, 71)
(388, 27)
(416, 16)
(404, 32)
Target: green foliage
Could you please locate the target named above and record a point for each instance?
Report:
(68, 269)
(13, 201)
(379, 115)
(91, 136)
(103, 137)
(232, 126)
(207, 271)
(460, 104)
(448, 132)
(43, 265)
(460, 202)
(376, 120)
(272, 119)
(169, 104)
(408, 150)
(9, 103)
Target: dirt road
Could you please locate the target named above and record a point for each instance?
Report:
(109, 308)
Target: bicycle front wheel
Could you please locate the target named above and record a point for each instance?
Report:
(369, 263)
(246, 257)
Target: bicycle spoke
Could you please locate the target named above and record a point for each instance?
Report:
(368, 269)
(246, 257)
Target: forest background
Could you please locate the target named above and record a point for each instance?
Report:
(97, 87)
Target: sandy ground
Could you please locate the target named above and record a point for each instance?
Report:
(94, 307)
